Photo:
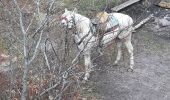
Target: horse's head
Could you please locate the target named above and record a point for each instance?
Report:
(68, 18)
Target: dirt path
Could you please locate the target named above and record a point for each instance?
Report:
(150, 79)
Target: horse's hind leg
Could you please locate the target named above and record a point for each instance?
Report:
(119, 51)
(129, 47)
(88, 65)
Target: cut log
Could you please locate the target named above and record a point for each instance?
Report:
(143, 22)
(124, 5)
(164, 4)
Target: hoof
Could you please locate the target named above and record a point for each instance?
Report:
(115, 64)
(130, 69)
(84, 81)
(86, 76)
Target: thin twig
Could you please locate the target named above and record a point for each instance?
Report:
(54, 86)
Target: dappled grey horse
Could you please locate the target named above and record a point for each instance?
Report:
(86, 40)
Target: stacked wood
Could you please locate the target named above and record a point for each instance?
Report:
(124, 5)
(164, 4)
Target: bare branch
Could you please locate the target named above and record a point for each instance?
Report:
(54, 86)
(47, 62)
(36, 48)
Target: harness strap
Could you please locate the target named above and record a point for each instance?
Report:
(112, 28)
(82, 39)
(92, 30)
(114, 23)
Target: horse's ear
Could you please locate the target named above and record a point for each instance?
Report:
(75, 10)
(66, 10)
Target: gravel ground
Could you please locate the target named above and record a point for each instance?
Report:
(151, 77)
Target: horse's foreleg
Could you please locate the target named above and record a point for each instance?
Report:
(129, 47)
(88, 65)
(119, 51)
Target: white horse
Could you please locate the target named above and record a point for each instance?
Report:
(86, 40)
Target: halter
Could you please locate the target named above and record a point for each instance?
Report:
(68, 21)
(64, 18)
(73, 20)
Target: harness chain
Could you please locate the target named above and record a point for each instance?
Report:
(66, 49)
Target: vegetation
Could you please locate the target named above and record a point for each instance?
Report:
(43, 68)
(88, 7)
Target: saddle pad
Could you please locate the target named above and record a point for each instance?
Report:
(113, 21)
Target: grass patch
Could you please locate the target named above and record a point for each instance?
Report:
(91, 7)
(3, 45)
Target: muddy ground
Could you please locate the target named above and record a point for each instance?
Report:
(151, 77)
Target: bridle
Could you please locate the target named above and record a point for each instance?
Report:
(72, 20)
